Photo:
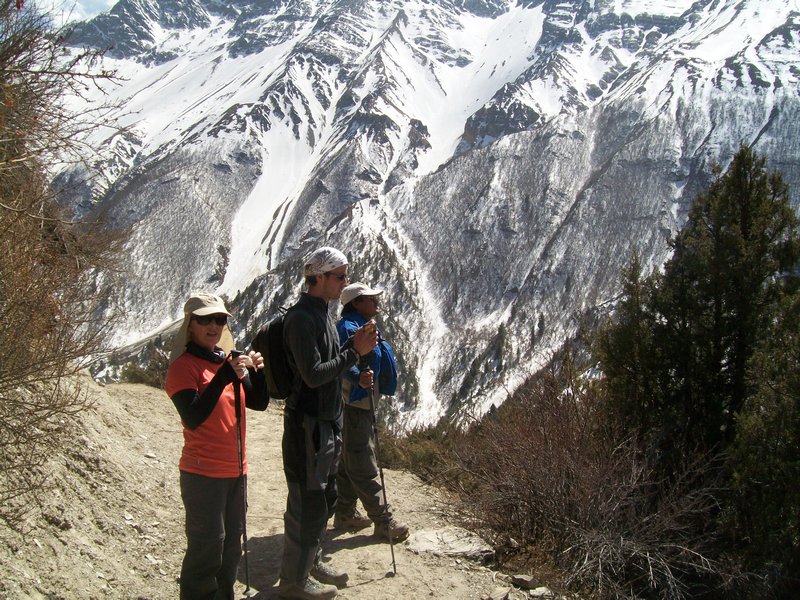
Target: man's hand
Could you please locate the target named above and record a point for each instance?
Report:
(365, 338)
(365, 379)
(256, 360)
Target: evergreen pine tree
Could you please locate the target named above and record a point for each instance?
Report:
(626, 352)
(677, 356)
(717, 292)
(764, 461)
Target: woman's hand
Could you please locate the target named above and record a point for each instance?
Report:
(239, 365)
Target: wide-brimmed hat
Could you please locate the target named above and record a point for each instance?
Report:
(199, 304)
(323, 260)
(354, 290)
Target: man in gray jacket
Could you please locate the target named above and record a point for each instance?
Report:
(312, 424)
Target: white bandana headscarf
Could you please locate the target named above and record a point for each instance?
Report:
(323, 260)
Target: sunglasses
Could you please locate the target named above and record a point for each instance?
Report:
(340, 277)
(206, 319)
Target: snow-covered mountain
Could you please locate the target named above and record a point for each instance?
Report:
(493, 164)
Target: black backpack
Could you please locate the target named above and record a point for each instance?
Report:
(269, 342)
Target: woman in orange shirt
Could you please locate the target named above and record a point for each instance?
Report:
(210, 386)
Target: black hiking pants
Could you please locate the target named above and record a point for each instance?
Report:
(311, 450)
(214, 513)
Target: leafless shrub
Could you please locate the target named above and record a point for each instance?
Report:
(48, 301)
(649, 538)
(33, 427)
(545, 473)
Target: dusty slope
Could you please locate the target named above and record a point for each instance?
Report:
(113, 527)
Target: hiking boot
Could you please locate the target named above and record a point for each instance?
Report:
(325, 573)
(352, 522)
(398, 531)
(310, 589)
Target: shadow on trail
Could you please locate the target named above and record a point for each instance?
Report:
(263, 562)
(264, 559)
(340, 540)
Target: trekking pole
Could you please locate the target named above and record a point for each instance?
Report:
(242, 482)
(393, 572)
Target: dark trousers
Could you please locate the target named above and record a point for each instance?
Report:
(358, 476)
(214, 515)
(311, 450)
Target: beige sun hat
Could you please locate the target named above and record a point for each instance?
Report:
(354, 290)
(199, 304)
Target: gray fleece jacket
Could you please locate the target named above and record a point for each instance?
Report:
(316, 359)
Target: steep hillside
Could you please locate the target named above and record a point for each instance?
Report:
(111, 525)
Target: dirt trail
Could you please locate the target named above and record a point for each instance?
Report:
(362, 556)
(113, 526)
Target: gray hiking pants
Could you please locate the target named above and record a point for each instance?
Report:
(358, 477)
(311, 451)
(214, 514)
